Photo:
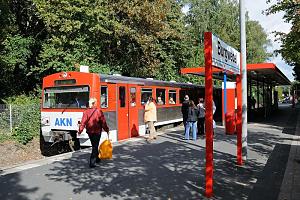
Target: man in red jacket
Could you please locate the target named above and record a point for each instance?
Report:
(93, 121)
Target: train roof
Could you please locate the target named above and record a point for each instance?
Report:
(144, 81)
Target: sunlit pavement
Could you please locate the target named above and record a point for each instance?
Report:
(171, 168)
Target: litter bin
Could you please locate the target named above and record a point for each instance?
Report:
(230, 123)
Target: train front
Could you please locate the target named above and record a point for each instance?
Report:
(65, 96)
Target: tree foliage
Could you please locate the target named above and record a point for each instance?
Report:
(150, 38)
(222, 18)
(153, 35)
(20, 37)
(135, 38)
(257, 43)
(290, 50)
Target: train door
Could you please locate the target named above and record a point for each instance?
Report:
(122, 110)
(133, 111)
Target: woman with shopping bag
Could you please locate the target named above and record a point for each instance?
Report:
(93, 121)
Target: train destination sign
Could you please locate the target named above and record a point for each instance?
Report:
(224, 56)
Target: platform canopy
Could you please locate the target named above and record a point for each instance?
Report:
(263, 72)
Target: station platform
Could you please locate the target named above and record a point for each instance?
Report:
(172, 168)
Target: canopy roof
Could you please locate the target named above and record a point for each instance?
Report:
(263, 72)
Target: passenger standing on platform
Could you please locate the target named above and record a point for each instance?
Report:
(185, 109)
(150, 117)
(93, 121)
(201, 116)
(191, 121)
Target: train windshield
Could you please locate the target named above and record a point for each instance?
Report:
(66, 97)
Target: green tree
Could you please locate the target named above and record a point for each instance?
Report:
(257, 43)
(290, 50)
(222, 18)
(20, 36)
(151, 37)
(135, 38)
(78, 31)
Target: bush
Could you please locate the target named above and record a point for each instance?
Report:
(26, 110)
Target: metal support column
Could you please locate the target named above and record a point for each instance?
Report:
(244, 78)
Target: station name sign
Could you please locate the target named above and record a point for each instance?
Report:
(224, 56)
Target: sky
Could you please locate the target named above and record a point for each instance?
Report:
(270, 23)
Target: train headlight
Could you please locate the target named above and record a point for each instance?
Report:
(46, 121)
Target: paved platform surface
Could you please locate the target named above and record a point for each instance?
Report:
(290, 187)
(171, 168)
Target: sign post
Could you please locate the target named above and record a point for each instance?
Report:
(208, 114)
(221, 55)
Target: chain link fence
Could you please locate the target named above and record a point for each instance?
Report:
(11, 116)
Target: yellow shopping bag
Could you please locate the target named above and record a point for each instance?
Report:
(105, 150)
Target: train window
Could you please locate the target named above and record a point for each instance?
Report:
(133, 97)
(172, 96)
(145, 94)
(104, 97)
(160, 96)
(122, 96)
(66, 97)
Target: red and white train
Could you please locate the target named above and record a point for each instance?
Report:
(65, 96)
